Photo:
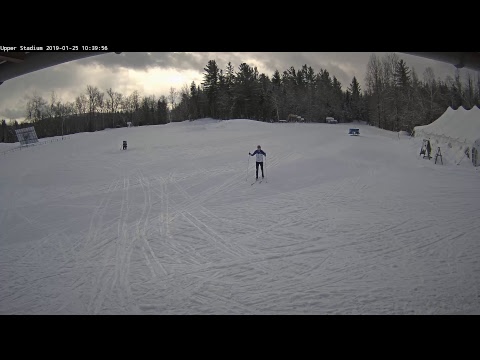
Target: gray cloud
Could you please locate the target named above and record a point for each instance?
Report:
(148, 60)
(108, 70)
(267, 62)
(14, 92)
(16, 113)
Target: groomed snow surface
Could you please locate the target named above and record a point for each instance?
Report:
(341, 225)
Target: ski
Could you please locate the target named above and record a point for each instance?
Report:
(257, 181)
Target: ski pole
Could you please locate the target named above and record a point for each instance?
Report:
(248, 162)
(461, 159)
(266, 169)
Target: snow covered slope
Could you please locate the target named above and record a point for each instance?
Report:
(344, 225)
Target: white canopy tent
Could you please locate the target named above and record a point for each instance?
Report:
(455, 132)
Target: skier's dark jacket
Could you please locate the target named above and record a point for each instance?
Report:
(260, 154)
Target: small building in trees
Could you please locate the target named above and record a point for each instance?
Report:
(295, 118)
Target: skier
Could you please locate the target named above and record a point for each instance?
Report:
(260, 154)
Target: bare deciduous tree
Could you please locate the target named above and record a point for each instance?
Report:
(37, 108)
(172, 97)
(113, 103)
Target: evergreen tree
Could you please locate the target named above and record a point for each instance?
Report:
(402, 95)
(3, 131)
(337, 99)
(276, 78)
(402, 74)
(210, 84)
(162, 110)
(354, 100)
(245, 91)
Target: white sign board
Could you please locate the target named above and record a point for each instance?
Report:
(26, 135)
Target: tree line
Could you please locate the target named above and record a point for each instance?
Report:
(398, 100)
(91, 111)
(246, 93)
(394, 99)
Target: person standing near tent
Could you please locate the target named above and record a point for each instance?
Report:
(259, 154)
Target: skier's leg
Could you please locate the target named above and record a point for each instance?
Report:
(261, 165)
(257, 168)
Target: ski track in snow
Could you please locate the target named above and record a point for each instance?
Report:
(344, 225)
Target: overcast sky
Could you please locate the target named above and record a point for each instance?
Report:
(155, 73)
